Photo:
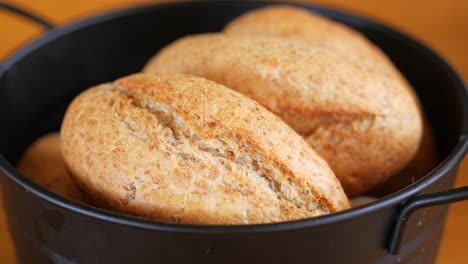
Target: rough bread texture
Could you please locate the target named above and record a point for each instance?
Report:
(367, 128)
(300, 24)
(179, 148)
(42, 162)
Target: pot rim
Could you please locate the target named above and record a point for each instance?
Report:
(448, 164)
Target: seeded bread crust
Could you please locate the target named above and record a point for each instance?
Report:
(178, 148)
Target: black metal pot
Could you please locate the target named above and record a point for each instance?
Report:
(38, 82)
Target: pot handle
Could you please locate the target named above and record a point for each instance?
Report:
(34, 18)
(31, 17)
(417, 202)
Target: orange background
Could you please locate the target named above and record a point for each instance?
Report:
(440, 24)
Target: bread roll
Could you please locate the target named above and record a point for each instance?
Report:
(178, 148)
(42, 162)
(300, 24)
(366, 127)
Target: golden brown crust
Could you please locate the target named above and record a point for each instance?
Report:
(366, 127)
(184, 149)
(295, 23)
(42, 162)
(299, 24)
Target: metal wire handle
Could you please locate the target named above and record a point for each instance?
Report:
(418, 202)
(31, 17)
(34, 18)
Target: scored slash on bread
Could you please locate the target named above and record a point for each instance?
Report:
(184, 149)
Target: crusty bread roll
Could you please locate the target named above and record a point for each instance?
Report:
(300, 24)
(184, 149)
(366, 127)
(42, 162)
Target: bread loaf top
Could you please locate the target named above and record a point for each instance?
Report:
(295, 23)
(184, 149)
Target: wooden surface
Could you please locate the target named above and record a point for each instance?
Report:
(440, 24)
